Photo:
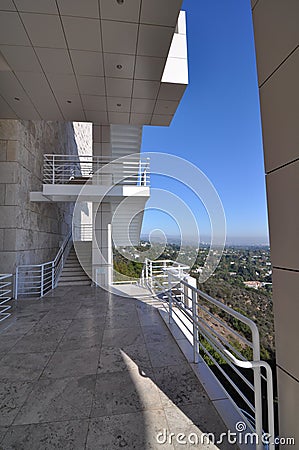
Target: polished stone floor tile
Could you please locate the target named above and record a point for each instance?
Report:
(7, 342)
(86, 324)
(85, 340)
(178, 385)
(36, 343)
(115, 359)
(3, 431)
(48, 327)
(17, 327)
(122, 320)
(149, 317)
(69, 435)
(92, 356)
(58, 399)
(166, 354)
(125, 392)
(56, 315)
(91, 312)
(25, 366)
(73, 363)
(132, 431)
(155, 333)
(114, 337)
(12, 397)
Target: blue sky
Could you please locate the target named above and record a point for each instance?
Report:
(217, 125)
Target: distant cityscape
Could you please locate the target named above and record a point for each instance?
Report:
(243, 278)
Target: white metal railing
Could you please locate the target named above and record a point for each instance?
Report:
(37, 279)
(75, 169)
(6, 294)
(154, 276)
(214, 333)
(82, 232)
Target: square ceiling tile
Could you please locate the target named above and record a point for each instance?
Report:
(12, 31)
(117, 65)
(119, 118)
(97, 117)
(94, 102)
(62, 83)
(37, 6)
(119, 104)
(119, 37)
(10, 87)
(74, 115)
(71, 106)
(7, 5)
(166, 107)
(13, 93)
(171, 91)
(87, 63)
(159, 12)
(154, 41)
(143, 105)
(149, 68)
(21, 58)
(76, 39)
(55, 60)
(44, 30)
(91, 85)
(86, 8)
(38, 89)
(6, 111)
(128, 11)
(140, 119)
(146, 89)
(161, 120)
(97, 133)
(117, 87)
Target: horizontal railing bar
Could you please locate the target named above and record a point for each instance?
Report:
(227, 327)
(249, 404)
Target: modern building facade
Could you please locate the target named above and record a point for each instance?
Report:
(119, 65)
(277, 39)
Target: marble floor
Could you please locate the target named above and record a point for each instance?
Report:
(84, 369)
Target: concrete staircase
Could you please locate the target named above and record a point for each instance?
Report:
(72, 273)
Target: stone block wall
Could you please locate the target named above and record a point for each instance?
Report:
(30, 233)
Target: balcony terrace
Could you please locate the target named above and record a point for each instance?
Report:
(85, 369)
(65, 175)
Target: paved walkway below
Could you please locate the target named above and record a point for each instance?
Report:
(84, 369)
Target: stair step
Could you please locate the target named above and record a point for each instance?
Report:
(74, 283)
(81, 276)
(71, 263)
(74, 273)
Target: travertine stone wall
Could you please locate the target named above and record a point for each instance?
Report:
(30, 233)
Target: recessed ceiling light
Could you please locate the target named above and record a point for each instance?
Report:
(118, 104)
(119, 66)
(17, 99)
(120, 2)
(69, 101)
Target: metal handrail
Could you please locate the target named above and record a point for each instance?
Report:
(38, 279)
(6, 294)
(67, 169)
(185, 303)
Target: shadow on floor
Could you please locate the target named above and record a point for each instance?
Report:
(85, 369)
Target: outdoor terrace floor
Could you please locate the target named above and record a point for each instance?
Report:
(84, 369)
